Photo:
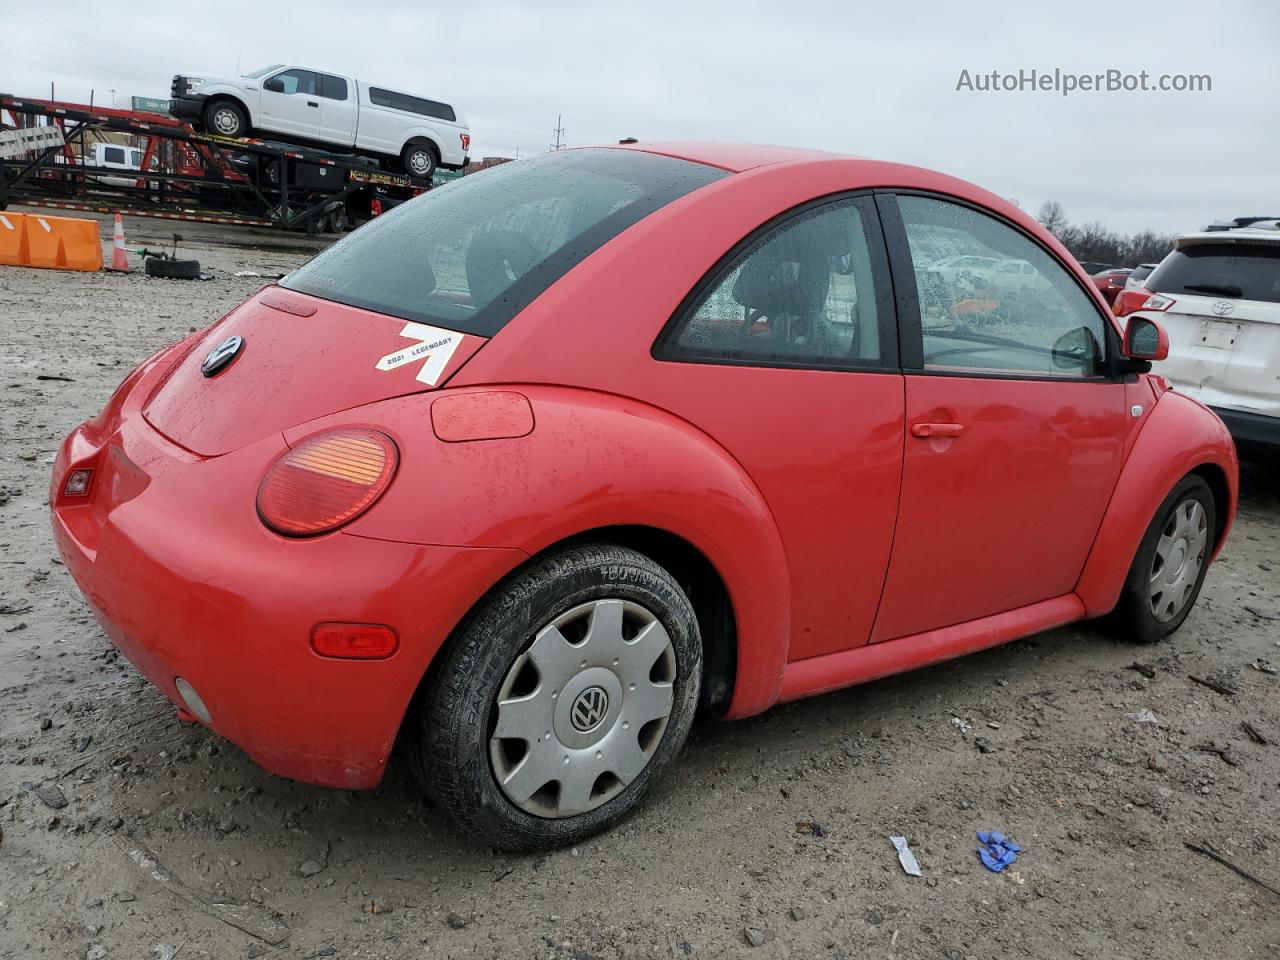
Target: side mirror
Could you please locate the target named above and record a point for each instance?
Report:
(275, 85)
(1144, 339)
(1077, 351)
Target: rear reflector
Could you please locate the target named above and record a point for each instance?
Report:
(77, 484)
(354, 641)
(326, 481)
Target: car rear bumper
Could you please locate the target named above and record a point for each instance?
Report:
(169, 553)
(1252, 428)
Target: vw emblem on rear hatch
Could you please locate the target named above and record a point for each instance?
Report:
(1221, 308)
(221, 356)
(589, 709)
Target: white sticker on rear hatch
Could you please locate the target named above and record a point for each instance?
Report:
(434, 348)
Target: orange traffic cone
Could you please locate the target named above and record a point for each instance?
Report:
(119, 258)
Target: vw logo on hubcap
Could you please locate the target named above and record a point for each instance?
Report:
(589, 709)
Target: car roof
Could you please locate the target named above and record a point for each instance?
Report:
(1263, 232)
(734, 157)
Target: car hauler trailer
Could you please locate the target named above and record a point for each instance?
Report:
(46, 160)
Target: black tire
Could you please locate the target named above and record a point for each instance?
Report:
(450, 735)
(1134, 618)
(225, 118)
(419, 160)
(337, 221)
(173, 269)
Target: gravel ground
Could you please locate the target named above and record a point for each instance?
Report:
(770, 838)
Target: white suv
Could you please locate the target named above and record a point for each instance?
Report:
(1218, 296)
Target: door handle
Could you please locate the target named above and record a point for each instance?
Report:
(312, 103)
(937, 429)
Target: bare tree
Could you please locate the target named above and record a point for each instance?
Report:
(1052, 217)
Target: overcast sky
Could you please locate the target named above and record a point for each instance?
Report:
(873, 79)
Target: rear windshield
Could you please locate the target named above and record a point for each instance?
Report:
(472, 254)
(1247, 271)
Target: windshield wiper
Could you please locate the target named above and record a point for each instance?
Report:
(1221, 290)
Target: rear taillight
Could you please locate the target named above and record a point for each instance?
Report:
(354, 641)
(1131, 300)
(466, 141)
(77, 483)
(375, 207)
(326, 481)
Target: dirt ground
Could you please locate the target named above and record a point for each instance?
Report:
(773, 830)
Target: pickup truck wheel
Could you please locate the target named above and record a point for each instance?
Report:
(419, 160)
(226, 119)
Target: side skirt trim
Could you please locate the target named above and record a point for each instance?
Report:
(833, 671)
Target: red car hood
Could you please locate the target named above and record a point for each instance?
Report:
(301, 358)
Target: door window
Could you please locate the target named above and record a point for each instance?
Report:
(299, 81)
(993, 300)
(333, 88)
(113, 155)
(808, 292)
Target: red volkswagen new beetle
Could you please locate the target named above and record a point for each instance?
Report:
(537, 465)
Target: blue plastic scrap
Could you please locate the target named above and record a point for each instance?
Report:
(996, 851)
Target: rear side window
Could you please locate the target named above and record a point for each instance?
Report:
(333, 88)
(1141, 272)
(402, 101)
(472, 254)
(1248, 271)
(808, 292)
(991, 300)
(113, 154)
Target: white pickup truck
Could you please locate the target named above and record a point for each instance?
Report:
(314, 108)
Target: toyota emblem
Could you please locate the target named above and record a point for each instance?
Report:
(222, 356)
(1221, 308)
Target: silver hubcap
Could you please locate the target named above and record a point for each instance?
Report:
(225, 121)
(419, 161)
(581, 712)
(1175, 569)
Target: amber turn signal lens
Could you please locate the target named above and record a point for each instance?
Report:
(354, 641)
(326, 481)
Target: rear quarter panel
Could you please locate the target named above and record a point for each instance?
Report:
(592, 460)
(1178, 436)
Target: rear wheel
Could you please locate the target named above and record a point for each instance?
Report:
(1170, 565)
(226, 119)
(562, 699)
(419, 160)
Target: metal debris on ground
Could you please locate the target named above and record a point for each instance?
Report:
(1143, 716)
(1212, 855)
(996, 851)
(905, 857)
(244, 916)
(1263, 665)
(1213, 685)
